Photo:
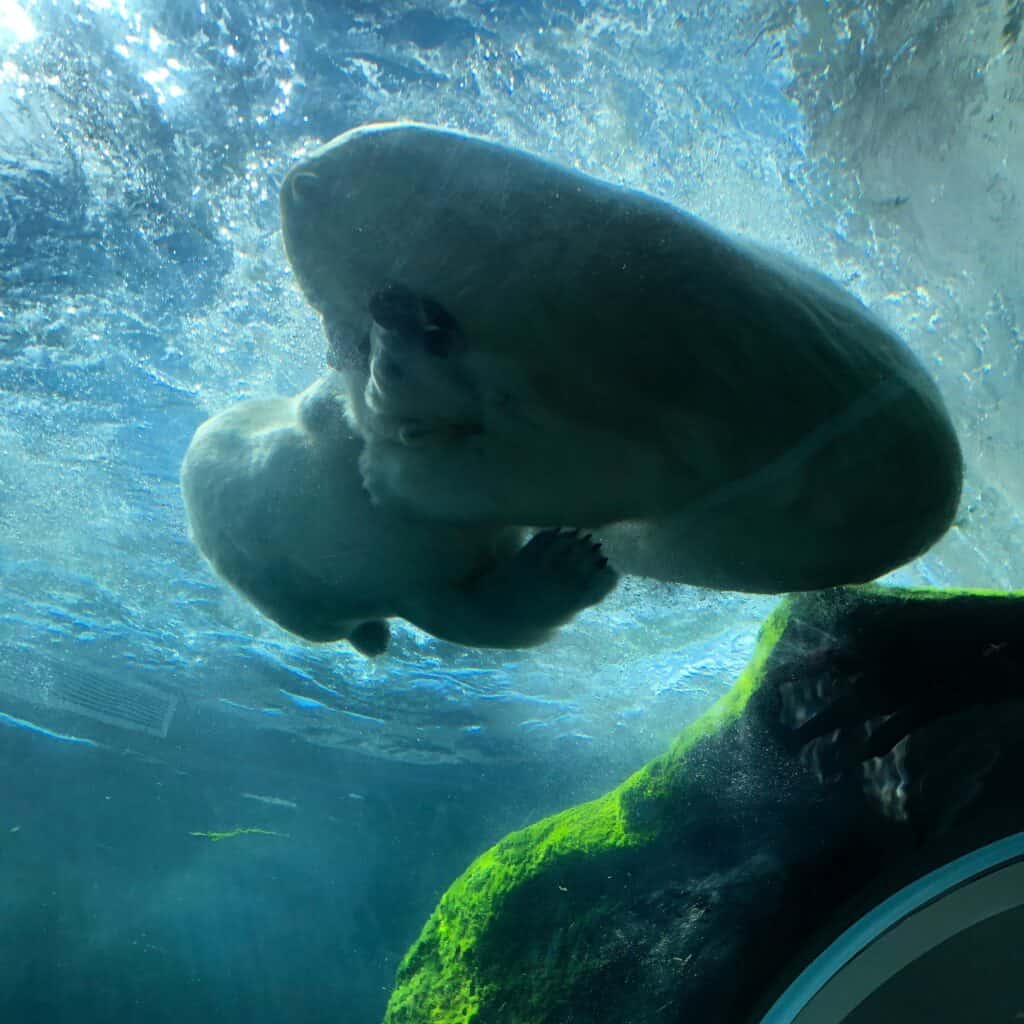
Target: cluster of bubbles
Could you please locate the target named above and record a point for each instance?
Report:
(144, 287)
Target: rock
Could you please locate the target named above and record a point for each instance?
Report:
(875, 733)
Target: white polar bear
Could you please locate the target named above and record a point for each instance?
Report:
(525, 344)
(276, 503)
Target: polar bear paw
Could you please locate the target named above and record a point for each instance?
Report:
(522, 597)
(561, 572)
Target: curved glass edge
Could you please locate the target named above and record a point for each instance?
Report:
(888, 913)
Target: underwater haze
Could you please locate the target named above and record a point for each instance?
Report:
(201, 814)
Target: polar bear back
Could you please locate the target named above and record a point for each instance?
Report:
(580, 292)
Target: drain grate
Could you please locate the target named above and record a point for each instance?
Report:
(115, 702)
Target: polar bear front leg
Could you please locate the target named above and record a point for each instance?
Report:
(417, 379)
(524, 597)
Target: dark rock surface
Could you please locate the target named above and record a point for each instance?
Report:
(874, 734)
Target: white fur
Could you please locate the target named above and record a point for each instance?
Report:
(276, 503)
(727, 416)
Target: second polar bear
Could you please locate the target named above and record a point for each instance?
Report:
(276, 503)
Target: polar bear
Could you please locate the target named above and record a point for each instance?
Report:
(276, 504)
(525, 344)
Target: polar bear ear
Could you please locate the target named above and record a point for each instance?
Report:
(371, 638)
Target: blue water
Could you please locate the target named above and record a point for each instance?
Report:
(143, 286)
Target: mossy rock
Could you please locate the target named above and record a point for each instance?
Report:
(874, 731)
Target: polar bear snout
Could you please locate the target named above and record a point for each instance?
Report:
(415, 320)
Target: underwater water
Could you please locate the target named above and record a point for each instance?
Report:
(201, 814)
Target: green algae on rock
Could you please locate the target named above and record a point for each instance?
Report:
(873, 727)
